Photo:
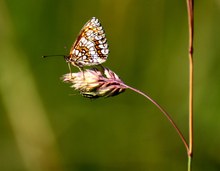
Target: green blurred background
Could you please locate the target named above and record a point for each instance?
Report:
(45, 125)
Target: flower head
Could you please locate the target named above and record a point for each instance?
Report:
(93, 83)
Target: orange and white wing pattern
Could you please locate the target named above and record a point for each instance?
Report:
(91, 47)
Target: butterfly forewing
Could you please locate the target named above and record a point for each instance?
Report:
(91, 47)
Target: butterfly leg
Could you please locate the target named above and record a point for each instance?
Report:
(81, 70)
(69, 66)
(102, 69)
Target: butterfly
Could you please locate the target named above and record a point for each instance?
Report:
(91, 47)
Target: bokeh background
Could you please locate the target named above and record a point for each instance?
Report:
(45, 125)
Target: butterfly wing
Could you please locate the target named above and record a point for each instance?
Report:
(91, 47)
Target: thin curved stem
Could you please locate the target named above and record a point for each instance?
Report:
(164, 112)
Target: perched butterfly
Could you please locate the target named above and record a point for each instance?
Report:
(90, 47)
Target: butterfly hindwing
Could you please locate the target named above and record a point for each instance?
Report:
(91, 47)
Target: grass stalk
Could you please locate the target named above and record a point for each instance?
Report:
(165, 114)
(190, 10)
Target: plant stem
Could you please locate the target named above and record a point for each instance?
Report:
(189, 163)
(190, 6)
(190, 10)
(164, 112)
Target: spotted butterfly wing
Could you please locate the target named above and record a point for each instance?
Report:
(91, 47)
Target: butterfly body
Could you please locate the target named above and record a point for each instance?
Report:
(91, 47)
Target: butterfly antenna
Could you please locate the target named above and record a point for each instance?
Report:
(45, 56)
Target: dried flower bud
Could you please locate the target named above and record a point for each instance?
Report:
(92, 83)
